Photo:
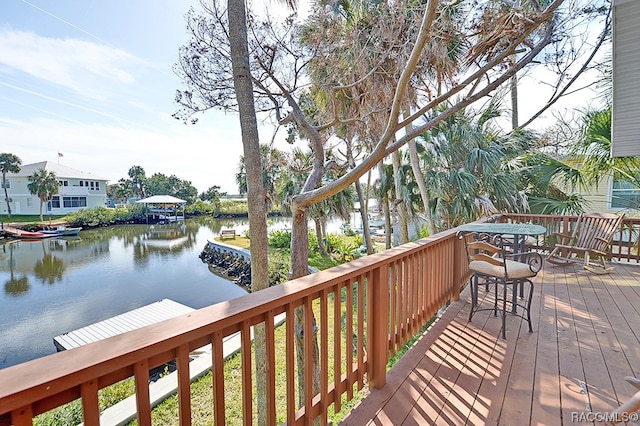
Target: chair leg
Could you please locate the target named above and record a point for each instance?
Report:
(473, 282)
(504, 310)
(495, 299)
(529, 305)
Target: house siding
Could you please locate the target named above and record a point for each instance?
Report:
(626, 68)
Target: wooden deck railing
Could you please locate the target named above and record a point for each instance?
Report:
(364, 312)
(626, 245)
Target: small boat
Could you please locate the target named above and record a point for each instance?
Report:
(31, 235)
(61, 231)
(22, 234)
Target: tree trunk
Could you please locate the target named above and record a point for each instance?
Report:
(422, 184)
(386, 211)
(321, 246)
(513, 84)
(6, 195)
(364, 214)
(299, 268)
(364, 205)
(403, 229)
(255, 188)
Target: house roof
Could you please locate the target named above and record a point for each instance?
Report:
(60, 171)
(161, 199)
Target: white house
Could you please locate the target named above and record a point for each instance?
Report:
(77, 190)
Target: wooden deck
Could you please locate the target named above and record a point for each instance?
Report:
(128, 321)
(570, 370)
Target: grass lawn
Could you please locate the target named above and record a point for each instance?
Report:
(28, 218)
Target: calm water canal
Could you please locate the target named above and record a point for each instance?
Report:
(53, 286)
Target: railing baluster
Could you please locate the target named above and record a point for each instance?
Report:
(22, 416)
(378, 321)
(271, 368)
(217, 369)
(141, 375)
(324, 355)
(290, 364)
(360, 319)
(348, 335)
(247, 383)
(184, 385)
(90, 410)
(308, 358)
(337, 346)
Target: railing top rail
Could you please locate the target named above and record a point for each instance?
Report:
(44, 376)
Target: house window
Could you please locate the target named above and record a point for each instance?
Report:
(97, 186)
(63, 182)
(625, 195)
(55, 203)
(74, 202)
(92, 185)
(6, 184)
(81, 183)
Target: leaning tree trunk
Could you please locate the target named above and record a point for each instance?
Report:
(321, 246)
(386, 211)
(299, 268)
(255, 188)
(422, 184)
(401, 209)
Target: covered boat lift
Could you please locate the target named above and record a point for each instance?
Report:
(163, 208)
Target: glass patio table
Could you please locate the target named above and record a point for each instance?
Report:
(518, 230)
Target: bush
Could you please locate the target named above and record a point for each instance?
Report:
(280, 239)
(102, 216)
(313, 243)
(202, 208)
(279, 267)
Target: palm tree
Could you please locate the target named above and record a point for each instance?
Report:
(9, 163)
(593, 151)
(138, 181)
(44, 184)
(469, 169)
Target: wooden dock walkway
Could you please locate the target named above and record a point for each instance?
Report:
(128, 321)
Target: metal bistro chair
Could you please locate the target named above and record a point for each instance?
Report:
(492, 264)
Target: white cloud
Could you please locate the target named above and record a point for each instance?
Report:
(87, 68)
(206, 154)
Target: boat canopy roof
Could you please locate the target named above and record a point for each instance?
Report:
(161, 199)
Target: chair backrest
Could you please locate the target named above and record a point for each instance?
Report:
(484, 247)
(593, 228)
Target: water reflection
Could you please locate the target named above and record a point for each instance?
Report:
(56, 285)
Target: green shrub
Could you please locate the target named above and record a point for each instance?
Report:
(102, 216)
(313, 243)
(279, 267)
(280, 239)
(202, 208)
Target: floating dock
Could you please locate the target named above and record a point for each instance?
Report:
(132, 320)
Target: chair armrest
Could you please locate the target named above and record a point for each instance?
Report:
(532, 258)
(489, 259)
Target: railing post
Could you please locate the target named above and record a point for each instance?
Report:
(378, 320)
(459, 262)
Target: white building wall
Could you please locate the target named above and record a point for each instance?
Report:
(25, 203)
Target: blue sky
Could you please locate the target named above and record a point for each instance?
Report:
(93, 80)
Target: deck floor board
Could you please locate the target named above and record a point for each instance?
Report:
(585, 341)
